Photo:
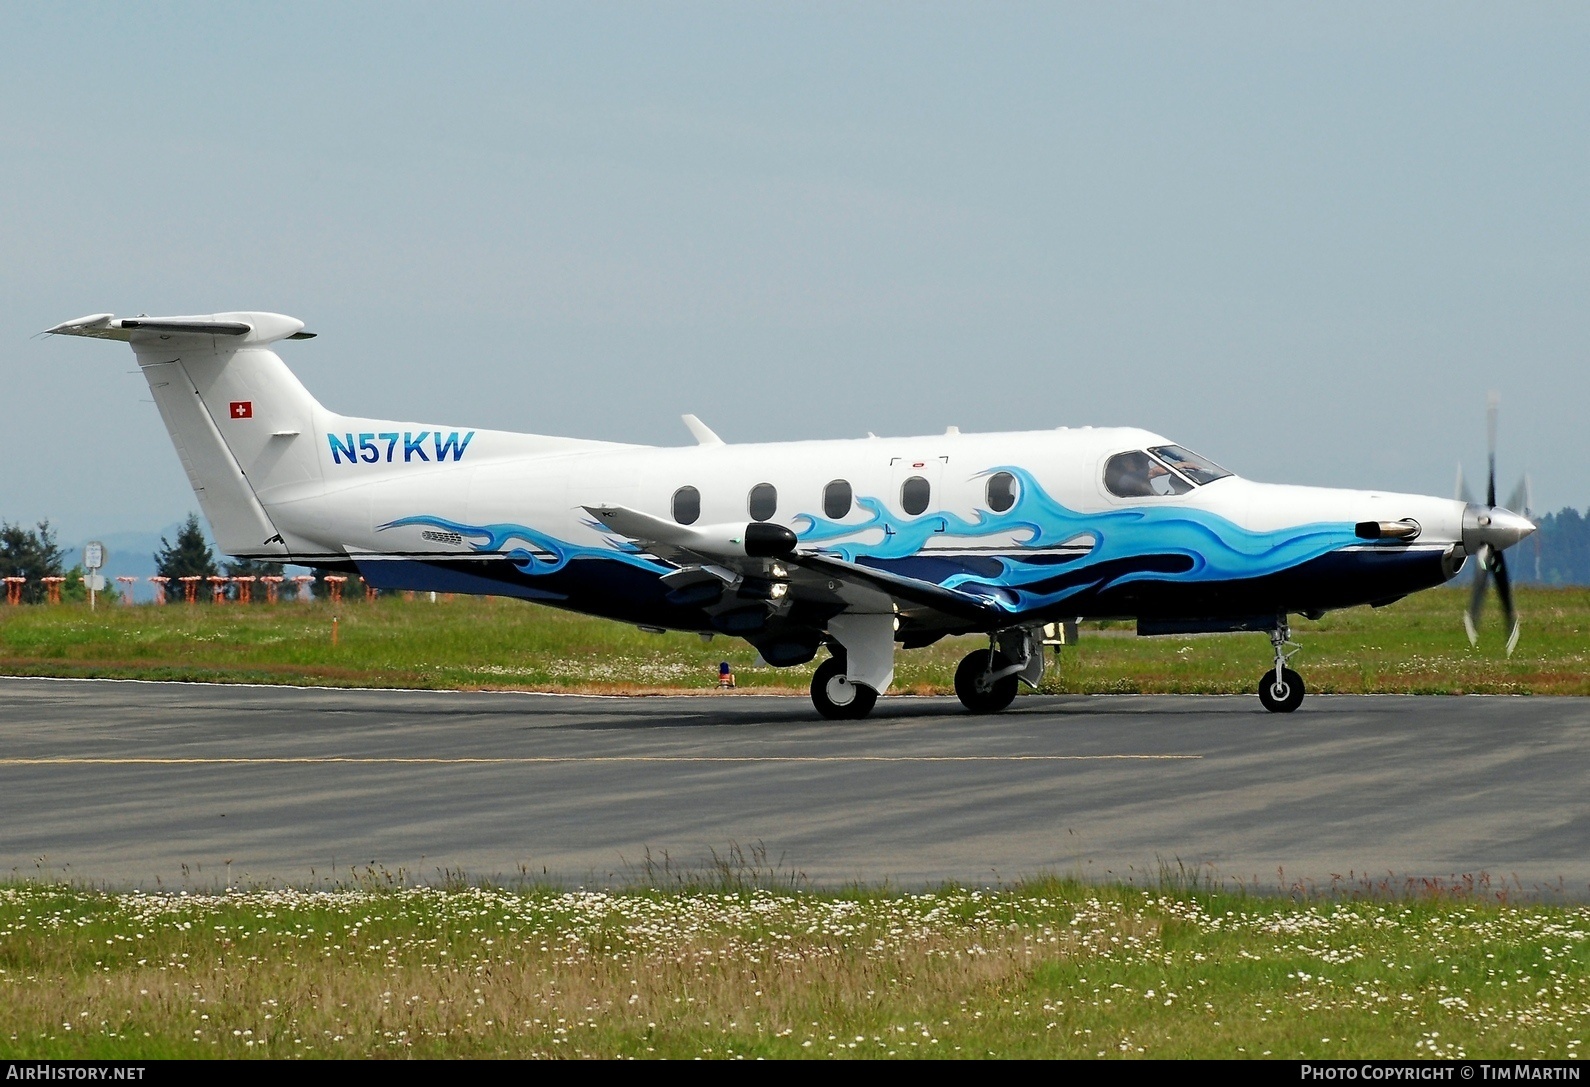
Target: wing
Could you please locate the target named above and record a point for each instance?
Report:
(768, 556)
(911, 596)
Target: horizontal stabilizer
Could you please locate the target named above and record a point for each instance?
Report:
(232, 328)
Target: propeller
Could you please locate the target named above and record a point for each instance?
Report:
(1488, 531)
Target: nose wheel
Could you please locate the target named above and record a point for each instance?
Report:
(1281, 694)
(1281, 689)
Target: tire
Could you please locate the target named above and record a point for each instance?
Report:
(1283, 697)
(974, 692)
(830, 690)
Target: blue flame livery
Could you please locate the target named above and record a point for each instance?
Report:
(858, 547)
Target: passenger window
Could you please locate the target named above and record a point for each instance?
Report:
(1138, 475)
(914, 495)
(1001, 491)
(687, 505)
(837, 498)
(763, 502)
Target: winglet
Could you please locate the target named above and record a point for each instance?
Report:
(701, 431)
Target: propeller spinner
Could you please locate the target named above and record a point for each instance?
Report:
(1488, 531)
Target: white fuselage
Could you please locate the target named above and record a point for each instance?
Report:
(506, 478)
(856, 544)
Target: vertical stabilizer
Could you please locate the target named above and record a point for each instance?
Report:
(242, 423)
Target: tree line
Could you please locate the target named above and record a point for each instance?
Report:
(35, 553)
(1562, 547)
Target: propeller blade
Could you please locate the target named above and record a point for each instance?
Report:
(1492, 402)
(1504, 524)
(1461, 493)
(1518, 501)
(1504, 589)
(1482, 575)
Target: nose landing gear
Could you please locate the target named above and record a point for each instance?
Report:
(1281, 689)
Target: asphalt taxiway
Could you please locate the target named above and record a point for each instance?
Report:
(146, 784)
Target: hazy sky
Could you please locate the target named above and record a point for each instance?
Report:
(1303, 240)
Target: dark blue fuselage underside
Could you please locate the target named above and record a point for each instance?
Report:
(622, 591)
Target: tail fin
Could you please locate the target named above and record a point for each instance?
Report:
(243, 425)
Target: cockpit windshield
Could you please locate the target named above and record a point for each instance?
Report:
(1190, 464)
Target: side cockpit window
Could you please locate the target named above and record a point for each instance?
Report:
(1138, 475)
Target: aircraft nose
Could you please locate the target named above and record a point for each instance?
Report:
(1493, 525)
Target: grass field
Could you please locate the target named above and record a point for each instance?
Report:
(1416, 645)
(1049, 968)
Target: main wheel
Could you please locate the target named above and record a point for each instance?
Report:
(974, 689)
(1282, 697)
(838, 699)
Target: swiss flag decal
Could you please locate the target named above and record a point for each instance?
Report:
(242, 409)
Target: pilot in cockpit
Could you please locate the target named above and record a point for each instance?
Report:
(1162, 480)
(1138, 475)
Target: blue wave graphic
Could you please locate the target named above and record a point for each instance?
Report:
(555, 553)
(1206, 546)
(1163, 543)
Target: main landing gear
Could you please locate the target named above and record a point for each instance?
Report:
(847, 684)
(986, 680)
(836, 697)
(1281, 689)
